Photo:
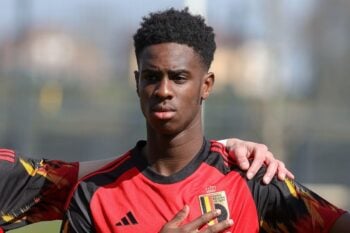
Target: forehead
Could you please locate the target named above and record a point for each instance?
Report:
(169, 56)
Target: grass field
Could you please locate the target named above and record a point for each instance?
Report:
(44, 227)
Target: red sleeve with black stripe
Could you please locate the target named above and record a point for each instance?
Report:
(33, 190)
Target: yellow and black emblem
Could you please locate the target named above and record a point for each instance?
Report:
(212, 201)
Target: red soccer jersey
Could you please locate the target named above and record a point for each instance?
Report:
(128, 196)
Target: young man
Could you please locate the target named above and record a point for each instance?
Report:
(176, 167)
(33, 190)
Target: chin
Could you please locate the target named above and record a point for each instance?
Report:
(165, 128)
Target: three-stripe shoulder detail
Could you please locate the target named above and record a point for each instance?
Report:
(7, 155)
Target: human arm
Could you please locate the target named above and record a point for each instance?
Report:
(32, 190)
(86, 167)
(289, 206)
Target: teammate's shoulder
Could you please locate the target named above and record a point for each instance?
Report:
(274, 188)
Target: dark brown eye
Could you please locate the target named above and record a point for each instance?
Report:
(150, 77)
(179, 78)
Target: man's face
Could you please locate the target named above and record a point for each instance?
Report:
(171, 84)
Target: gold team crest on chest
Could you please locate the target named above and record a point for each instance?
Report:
(215, 200)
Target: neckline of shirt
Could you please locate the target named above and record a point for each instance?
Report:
(143, 165)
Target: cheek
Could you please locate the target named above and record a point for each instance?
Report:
(143, 101)
(194, 95)
(144, 93)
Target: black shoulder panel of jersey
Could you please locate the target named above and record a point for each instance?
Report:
(102, 178)
(275, 203)
(80, 202)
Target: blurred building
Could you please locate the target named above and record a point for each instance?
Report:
(50, 53)
(48, 80)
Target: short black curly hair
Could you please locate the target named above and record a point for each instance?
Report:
(177, 26)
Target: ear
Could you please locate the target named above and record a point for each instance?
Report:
(136, 74)
(207, 85)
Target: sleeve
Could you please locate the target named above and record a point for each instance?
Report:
(287, 206)
(33, 190)
(78, 217)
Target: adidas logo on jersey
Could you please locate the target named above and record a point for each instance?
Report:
(129, 219)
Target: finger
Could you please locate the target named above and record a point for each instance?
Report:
(240, 154)
(257, 163)
(179, 217)
(202, 220)
(290, 175)
(270, 172)
(223, 225)
(281, 171)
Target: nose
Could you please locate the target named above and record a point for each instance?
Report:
(164, 89)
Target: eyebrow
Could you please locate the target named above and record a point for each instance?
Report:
(179, 71)
(150, 70)
(155, 70)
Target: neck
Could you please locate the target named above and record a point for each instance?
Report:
(167, 154)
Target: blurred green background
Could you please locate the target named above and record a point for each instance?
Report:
(67, 90)
(44, 227)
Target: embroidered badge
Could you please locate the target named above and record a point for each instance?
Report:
(212, 201)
